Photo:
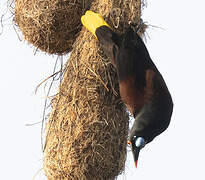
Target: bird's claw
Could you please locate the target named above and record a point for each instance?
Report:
(136, 26)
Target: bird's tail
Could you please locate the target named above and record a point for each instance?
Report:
(92, 21)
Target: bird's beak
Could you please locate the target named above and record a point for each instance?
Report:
(136, 152)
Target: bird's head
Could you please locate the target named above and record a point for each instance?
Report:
(149, 123)
(136, 143)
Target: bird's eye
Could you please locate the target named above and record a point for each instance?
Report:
(140, 142)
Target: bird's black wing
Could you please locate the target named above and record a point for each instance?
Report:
(109, 41)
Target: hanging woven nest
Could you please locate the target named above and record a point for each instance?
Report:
(86, 134)
(50, 25)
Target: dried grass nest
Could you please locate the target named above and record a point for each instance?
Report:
(50, 25)
(86, 133)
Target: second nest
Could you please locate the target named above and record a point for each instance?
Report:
(50, 25)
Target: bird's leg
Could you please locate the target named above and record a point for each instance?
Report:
(136, 26)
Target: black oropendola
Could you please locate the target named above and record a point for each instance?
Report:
(142, 87)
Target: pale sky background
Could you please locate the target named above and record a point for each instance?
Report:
(178, 52)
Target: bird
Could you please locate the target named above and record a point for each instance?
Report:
(141, 86)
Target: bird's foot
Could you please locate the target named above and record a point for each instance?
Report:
(136, 26)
